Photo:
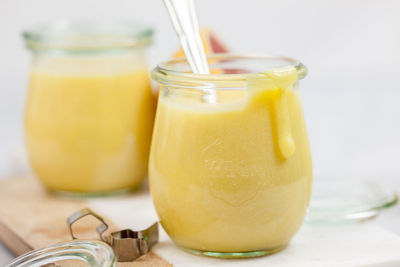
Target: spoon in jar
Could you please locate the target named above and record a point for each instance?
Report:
(184, 20)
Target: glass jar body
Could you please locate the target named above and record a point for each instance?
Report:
(89, 119)
(225, 179)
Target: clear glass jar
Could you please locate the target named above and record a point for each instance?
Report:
(231, 178)
(76, 252)
(90, 108)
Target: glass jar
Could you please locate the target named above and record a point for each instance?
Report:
(76, 252)
(230, 178)
(90, 108)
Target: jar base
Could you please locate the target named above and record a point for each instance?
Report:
(71, 194)
(235, 255)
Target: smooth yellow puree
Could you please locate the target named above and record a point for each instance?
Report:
(235, 176)
(89, 124)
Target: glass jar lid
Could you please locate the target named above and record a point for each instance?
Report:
(84, 36)
(87, 252)
(340, 200)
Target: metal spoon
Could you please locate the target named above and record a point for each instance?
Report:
(184, 19)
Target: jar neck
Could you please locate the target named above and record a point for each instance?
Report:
(90, 64)
(87, 37)
(229, 72)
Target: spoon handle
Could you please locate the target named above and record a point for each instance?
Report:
(184, 20)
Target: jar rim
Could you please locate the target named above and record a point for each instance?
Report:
(177, 71)
(87, 35)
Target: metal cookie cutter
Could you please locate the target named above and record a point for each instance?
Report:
(127, 244)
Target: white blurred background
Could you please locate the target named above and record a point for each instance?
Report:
(351, 47)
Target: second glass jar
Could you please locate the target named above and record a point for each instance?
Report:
(90, 109)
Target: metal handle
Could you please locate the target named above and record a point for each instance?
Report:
(76, 216)
(127, 244)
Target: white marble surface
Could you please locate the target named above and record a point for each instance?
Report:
(366, 244)
(359, 245)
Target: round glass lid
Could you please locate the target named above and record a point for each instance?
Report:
(71, 253)
(342, 200)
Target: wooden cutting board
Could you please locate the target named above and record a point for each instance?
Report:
(31, 218)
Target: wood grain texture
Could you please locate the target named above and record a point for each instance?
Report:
(31, 218)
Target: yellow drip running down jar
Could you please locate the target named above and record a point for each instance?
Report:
(230, 178)
(90, 109)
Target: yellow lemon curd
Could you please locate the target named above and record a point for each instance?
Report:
(89, 122)
(233, 176)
